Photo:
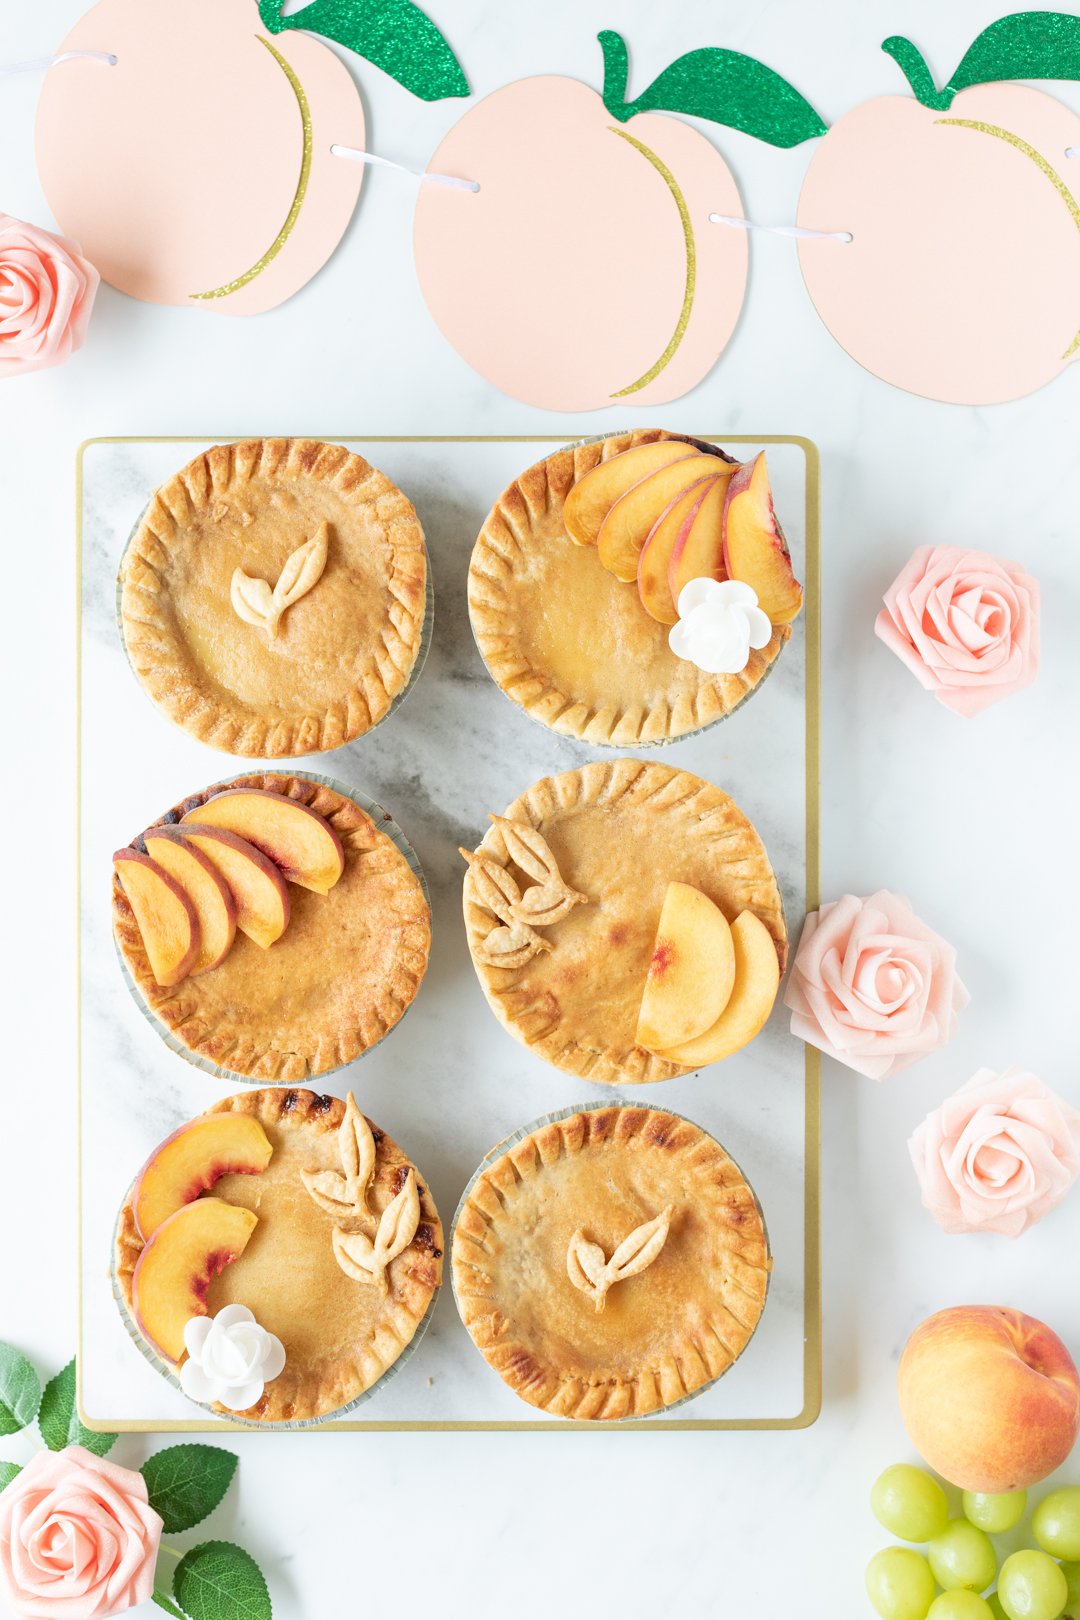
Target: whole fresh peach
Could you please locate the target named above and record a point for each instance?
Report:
(990, 1397)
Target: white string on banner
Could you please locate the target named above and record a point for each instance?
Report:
(357, 156)
(42, 63)
(779, 230)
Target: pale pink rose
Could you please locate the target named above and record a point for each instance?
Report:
(77, 1538)
(47, 290)
(997, 1155)
(966, 625)
(872, 986)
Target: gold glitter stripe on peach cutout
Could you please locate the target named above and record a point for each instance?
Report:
(301, 186)
(1036, 157)
(691, 263)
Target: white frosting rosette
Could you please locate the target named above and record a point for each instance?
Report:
(230, 1358)
(719, 623)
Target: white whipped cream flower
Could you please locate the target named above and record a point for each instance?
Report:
(719, 622)
(230, 1358)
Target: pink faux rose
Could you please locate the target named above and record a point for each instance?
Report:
(966, 625)
(47, 290)
(77, 1538)
(872, 986)
(997, 1155)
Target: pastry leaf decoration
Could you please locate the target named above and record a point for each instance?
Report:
(345, 1196)
(1024, 45)
(254, 601)
(393, 35)
(723, 86)
(366, 1261)
(496, 890)
(589, 1269)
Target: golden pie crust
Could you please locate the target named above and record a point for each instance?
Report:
(340, 1336)
(340, 977)
(571, 644)
(620, 831)
(342, 653)
(664, 1333)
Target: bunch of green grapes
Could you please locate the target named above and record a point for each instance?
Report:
(1038, 1583)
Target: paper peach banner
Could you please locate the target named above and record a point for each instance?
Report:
(585, 271)
(198, 168)
(962, 281)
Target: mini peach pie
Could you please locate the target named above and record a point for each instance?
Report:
(270, 927)
(633, 589)
(272, 598)
(610, 1263)
(278, 1254)
(625, 923)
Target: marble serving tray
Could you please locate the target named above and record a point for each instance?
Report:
(449, 1082)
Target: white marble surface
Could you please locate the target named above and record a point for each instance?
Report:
(975, 821)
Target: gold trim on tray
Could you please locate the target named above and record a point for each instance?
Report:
(812, 1353)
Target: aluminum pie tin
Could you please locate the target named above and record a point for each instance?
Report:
(502, 1148)
(633, 742)
(385, 823)
(427, 630)
(166, 1370)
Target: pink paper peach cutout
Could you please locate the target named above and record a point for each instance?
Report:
(200, 163)
(962, 281)
(585, 271)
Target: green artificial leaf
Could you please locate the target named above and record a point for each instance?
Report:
(168, 1605)
(20, 1390)
(1024, 45)
(187, 1482)
(58, 1418)
(8, 1471)
(394, 35)
(217, 1581)
(723, 86)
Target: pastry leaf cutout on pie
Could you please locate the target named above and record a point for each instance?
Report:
(543, 903)
(345, 1196)
(589, 1269)
(254, 601)
(365, 1260)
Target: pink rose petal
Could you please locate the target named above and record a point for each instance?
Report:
(47, 291)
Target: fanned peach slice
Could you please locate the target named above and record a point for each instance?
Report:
(205, 888)
(165, 915)
(626, 527)
(301, 843)
(755, 550)
(257, 887)
(691, 973)
(177, 1266)
(699, 550)
(191, 1160)
(596, 492)
(655, 559)
(757, 979)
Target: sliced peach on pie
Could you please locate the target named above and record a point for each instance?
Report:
(301, 843)
(626, 527)
(757, 979)
(258, 889)
(755, 550)
(191, 1160)
(699, 550)
(174, 1272)
(595, 493)
(205, 888)
(166, 917)
(691, 973)
(655, 559)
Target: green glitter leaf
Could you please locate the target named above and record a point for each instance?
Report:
(723, 86)
(1024, 45)
(394, 35)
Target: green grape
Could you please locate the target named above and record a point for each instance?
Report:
(1056, 1522)
(962, 1556)
(1071, 1573)
(899, 1584)
(995, 1513)
(910, 1503)
(994, 1603)
(1032, 1587)
(960, 1605)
